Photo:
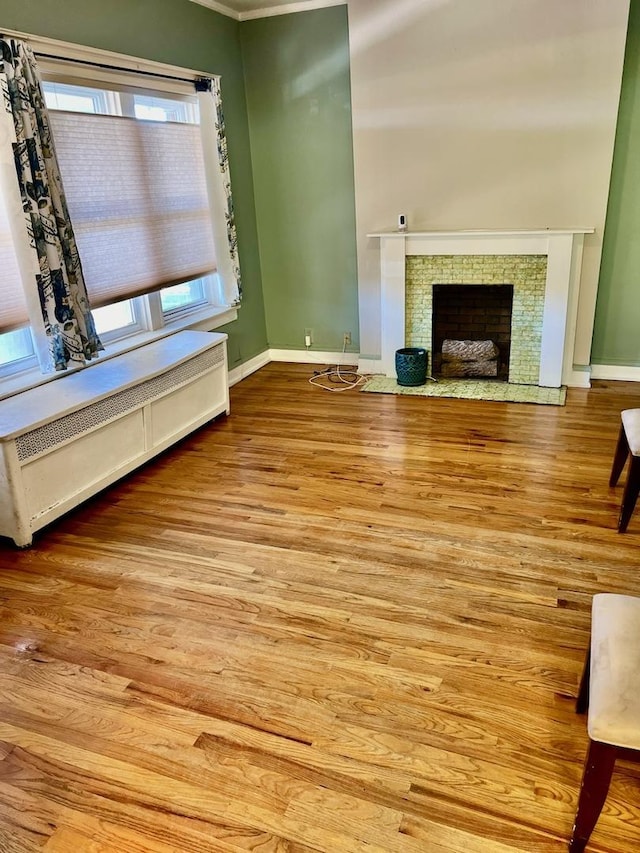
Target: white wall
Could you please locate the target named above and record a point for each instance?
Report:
(483, 114)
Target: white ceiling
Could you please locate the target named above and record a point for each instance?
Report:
(243, 10)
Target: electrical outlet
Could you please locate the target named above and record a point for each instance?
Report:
(346, 339)
(308, 337)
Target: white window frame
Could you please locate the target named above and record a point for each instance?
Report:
(138, 325)
(24, 363)
(152, 322)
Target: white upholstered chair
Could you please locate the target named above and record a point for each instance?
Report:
(628, 446)
(610, 691)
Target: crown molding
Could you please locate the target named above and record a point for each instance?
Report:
(290, 8)
(271, 11)
(219, 7)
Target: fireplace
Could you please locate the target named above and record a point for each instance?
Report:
(472, 312)
(544, 267)
(526, 273)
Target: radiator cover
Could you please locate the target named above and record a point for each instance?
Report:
(76, 435)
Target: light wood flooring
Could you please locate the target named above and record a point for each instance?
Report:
(329, 622)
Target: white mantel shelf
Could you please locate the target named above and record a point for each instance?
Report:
(563, 248)
(478, 232)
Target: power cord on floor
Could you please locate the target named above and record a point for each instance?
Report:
(343, 380)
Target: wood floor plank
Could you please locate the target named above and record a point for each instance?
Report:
(325, 623)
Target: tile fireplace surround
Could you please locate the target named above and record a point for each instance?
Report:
(544, 267)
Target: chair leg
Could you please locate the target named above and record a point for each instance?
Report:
(582, 702)
(630, 494)
(596, 779)
(619, 457)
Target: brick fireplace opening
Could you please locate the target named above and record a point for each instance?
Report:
(473, 312)
(526, 273)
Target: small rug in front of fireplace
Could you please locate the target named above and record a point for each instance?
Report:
(474, 389)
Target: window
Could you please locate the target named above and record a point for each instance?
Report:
(134, 177)
(80, 99)
(117, 320)
(134, 170)
(175, 299)
(152, 108)
(15, 344)
(16, 351)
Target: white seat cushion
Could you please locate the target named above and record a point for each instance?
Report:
(614, 697)
(631, 423)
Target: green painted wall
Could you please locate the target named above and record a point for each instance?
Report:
(299, 102)
(616, 338)
(186, 34)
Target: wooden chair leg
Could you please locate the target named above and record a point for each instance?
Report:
(630, 494)
(619, 457)
(582, 702)
(596, 779)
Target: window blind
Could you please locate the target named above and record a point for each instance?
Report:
(13, 308)
(137, 198)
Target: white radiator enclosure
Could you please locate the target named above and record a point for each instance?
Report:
(64, 441)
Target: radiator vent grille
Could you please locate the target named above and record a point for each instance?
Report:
(69, 426)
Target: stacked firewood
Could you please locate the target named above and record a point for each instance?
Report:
(469, 358)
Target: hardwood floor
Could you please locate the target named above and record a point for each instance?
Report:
(330, 622)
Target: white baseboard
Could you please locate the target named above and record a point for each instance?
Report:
(291, 355)
(304, 356)
(578, 378)
(249, 367)
(615, 371)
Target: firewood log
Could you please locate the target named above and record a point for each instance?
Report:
(469, 350)
(487, 367)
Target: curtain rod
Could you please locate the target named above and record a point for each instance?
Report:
(107, 66)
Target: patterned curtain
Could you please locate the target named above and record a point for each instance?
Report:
(219, 189)
(52, 267)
